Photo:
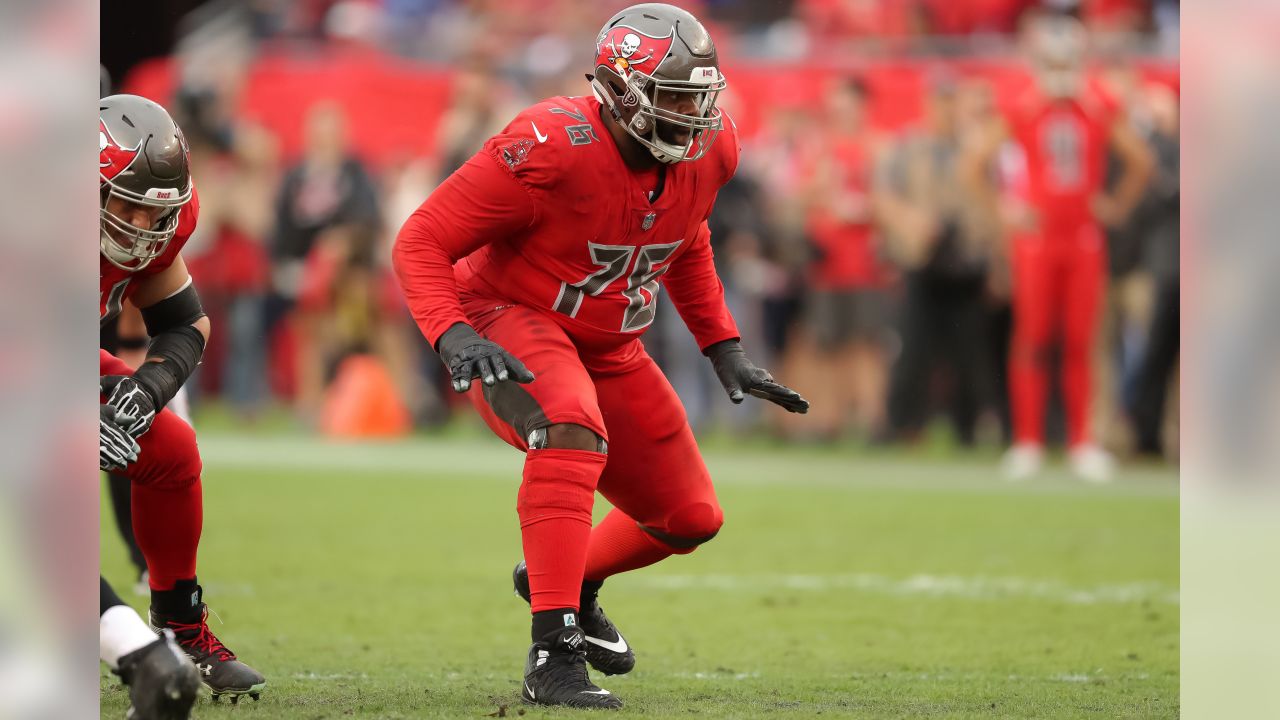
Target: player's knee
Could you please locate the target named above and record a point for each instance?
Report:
(567, 436)
(559, 483)
(689, 526)
(169, 457)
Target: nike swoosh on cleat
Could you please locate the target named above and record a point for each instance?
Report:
(618, 646)
(595, 692)
(538, 134)
(529, 690)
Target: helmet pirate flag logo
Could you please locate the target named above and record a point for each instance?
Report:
(628, 49)
(112, 158)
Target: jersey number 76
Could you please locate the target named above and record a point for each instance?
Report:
(614, 261)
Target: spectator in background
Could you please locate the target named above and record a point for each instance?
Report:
(481, 106)
(940, 223)
(327, 192)
(846, 313)
(1159, 217)
(774, 162)
(232, 268)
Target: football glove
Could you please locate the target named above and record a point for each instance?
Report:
(469, 356)
(116, 447)
(131, 399)
(740, 377)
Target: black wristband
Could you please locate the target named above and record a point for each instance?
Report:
(172, 358)
(132, 343)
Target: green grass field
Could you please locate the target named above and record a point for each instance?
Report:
(372, 581)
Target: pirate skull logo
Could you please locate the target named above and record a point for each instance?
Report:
(630, 43)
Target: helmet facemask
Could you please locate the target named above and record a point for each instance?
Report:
(640, 103)
(132, 248)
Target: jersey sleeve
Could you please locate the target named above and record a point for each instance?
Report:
(698, 294)
(480, 203)
(731, 148)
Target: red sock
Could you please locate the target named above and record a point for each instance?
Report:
(555, 522)
(1077, 385)
(618, 545)
(1028, 383)
(167, 520)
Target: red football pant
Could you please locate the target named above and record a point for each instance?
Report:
(168, 514)
(652, 472)
(1058, 285)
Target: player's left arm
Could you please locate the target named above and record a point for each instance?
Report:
(179, 329)
(698, 295)
(1138, 163)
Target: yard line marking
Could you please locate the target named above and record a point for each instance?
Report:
(919, 585)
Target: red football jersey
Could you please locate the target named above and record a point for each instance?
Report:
(548, 215)
(1065, 145)
(116, 285)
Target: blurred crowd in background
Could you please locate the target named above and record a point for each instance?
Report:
(863, 253)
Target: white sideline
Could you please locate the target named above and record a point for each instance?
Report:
(920, 585)
(470, 458)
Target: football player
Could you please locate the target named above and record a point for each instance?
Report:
(1064, 127)
(535, 268)
(148, 211)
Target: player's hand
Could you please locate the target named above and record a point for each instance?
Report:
(740, 377)
(1107, 211)
(469, 356)
(129, 398)
(116, 447)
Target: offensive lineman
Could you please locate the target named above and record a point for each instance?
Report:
(535, 268)
(148, 211)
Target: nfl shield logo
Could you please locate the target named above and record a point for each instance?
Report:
(648, 221)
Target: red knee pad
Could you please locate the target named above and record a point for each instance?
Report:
(689, 526)
(559, 483)
(169, 456)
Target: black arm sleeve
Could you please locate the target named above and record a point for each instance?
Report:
(176, 348)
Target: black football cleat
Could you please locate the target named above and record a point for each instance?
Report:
(607, 651)
(218, 667)
(162, 681)
(556, 673)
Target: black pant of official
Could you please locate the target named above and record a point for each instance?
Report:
(1157, 368)
(942, 326)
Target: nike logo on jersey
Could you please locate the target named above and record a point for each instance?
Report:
(538, 133)
(618, 646)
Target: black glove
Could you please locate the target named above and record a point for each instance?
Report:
(738, 375)
(469, 356)
(116, 447)
(131, 399)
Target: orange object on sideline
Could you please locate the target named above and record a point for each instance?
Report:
(363, 402)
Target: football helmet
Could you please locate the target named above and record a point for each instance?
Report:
(657, 73)
(142, 159)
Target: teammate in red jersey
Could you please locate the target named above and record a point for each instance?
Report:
(1064, 128)
(148, 210)
(535, 268)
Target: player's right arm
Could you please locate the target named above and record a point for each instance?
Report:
(478, 204)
